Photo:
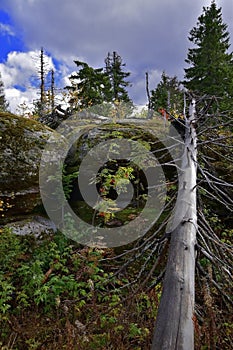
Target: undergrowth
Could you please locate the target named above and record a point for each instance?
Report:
(56, 294)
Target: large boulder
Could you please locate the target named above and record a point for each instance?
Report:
(21, 144)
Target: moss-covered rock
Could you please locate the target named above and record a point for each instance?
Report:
(21, 144)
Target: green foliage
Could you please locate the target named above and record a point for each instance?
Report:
(117, 76)
(227, 236)
(54, 286)
(6, 291)
(108, 180)
(93, 86)
(167, 94)
(210, 70)
(67, 183)
(89, 86)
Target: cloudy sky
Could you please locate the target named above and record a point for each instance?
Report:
(149, 35)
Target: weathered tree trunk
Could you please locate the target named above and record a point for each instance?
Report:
(174, 328)
(42, 78)
(52, 91)
(150, 111)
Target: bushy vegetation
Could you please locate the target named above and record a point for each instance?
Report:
(56, 294)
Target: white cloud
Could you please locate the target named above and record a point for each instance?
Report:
(142, 31)
(149, 35)
(146, 33)
(18, 68)
(17, 97)
(18, 73)
(21, 66)
(6, 29)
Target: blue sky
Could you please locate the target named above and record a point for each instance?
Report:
(9, 40)
(150, 35)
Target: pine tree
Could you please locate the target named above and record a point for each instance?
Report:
(211, 63)
(114, 69)
(3, 103)
(89, 86)
(93, 86)
(167, 95)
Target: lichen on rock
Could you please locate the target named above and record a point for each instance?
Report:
(21, 144)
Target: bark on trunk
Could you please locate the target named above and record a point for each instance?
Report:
(174, 328)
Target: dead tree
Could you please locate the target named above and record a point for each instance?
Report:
(150, 112)
(174, 323)
(42, 78)
(198, 241)
(195, 252)
(52, 90)
(43, 68)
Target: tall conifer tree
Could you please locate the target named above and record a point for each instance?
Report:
(167, 94)
(210, 61)
(114, 69)
(93, 86)
(89, 86)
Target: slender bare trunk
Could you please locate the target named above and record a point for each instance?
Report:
(42, 73)
(52, 91)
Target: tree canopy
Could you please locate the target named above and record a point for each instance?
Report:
(88, 86)
(167, 94)
(92, 86)
(210, 70)
(117, 76)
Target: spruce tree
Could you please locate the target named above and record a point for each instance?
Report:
(210, 70)
(114, 69)
(89, 86)
(93, 86)
(167, 95)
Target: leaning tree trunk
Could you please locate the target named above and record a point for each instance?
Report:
(174, 328)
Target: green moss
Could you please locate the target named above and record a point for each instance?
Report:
(22, 131)
(21, 143)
